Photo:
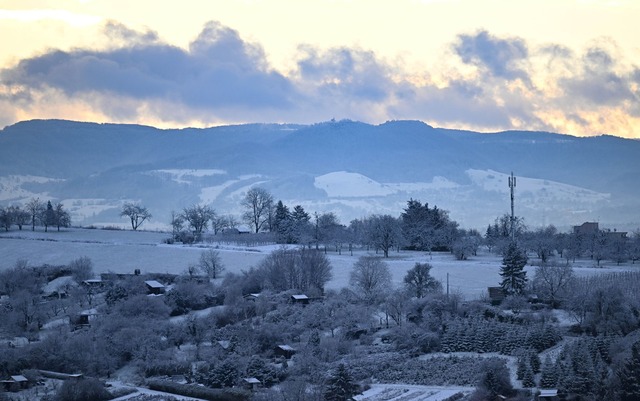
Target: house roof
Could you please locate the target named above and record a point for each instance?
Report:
(251, 380)
(154, 284)
(548, 392)
(286, 347)
(19, 378)
(299, 297)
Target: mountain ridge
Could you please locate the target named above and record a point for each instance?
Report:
(112, 163)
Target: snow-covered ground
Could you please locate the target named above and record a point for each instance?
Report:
(122, 251)
(404, 392)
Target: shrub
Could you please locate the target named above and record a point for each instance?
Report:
(83, 390)
(205, 393)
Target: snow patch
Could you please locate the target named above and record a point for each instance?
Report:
(544, 190)
(343, 184)
(11, 186)
(181, 176)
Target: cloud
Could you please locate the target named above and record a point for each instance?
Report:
(599, 82)
(222, 78)
(500, 57)
(218, 70)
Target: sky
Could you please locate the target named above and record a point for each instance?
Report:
(568, 66)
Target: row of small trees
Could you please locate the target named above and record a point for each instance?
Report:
(35, 213)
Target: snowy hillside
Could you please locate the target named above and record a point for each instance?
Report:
(349, 168)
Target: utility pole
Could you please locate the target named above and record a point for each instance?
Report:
(512, 186)
(447, 284)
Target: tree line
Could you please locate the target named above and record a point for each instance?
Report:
(35, 213)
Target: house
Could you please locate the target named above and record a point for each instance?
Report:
(154, 287)
(285, 351)
(251, 383)
(586, 228)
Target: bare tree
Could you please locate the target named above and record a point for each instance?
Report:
(210, 263)
(552, 282)
(35, 207)
(370, 278)
(62, 216)
(81, 268)
(177, 223)
(385, 233)
(258, 202)
(198, 217)
(20, 217)
(136, 213)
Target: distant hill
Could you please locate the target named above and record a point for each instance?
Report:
(351, 168)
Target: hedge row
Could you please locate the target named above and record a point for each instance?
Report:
(204, 393)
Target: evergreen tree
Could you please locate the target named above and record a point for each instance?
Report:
(514, 277)
(283, 223)
(528, 378)
(629, 376)
(48, 217)
(340, 386)
(548, 374)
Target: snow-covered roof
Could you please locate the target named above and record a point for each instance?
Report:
(58, 284)
(19, 378)
(548, 393)
(299, 297)
(154, 284)
(286, 347)
(251, 380)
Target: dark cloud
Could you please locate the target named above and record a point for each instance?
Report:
(500, 57)
(597, 82)
(218, 70)
(346, 72)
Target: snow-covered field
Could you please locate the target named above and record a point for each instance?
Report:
(403, 392)
(124, 251)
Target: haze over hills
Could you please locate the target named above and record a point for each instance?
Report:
(350, 168)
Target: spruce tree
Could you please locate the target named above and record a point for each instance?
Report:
(548, 374)
(514, 277)
(629, 376)
(340, 386)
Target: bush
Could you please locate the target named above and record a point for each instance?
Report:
(83, 390)
(205, 393)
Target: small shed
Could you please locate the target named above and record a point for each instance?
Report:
(86, 317)
(496, 295)
(93, 283)
(251, 297)
(251, 383)
(15, 383)
(224, 344)
(301, 299)
(155, 287)
(285, 350)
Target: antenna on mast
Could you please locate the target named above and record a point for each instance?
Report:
(512, 186)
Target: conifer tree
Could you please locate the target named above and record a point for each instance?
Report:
(629, 376)
(514, 277)
(340, 386)
(548, 374)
